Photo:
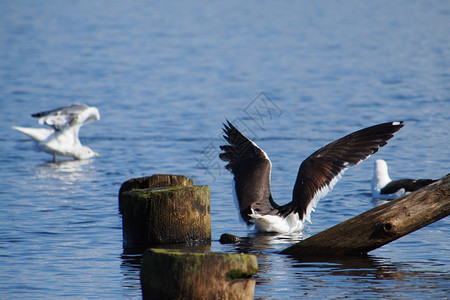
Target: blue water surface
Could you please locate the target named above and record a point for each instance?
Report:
(293, 75)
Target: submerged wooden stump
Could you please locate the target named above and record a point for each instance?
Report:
(227, 238)
(174, 274)
(165, 214)
(380, 225)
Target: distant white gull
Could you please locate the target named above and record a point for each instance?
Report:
(62, 138)
(383, 187)
(317, 175)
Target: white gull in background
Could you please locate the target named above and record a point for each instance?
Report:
(62, 136)
(383, 187)
(317, 175)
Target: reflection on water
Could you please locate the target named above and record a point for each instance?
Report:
(368, 273)
(65, 170)
(312, 274)
(256, 242)
(352, 266)
(130, 268)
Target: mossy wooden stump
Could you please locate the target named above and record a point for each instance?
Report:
(155, 181)
(165, 209)
(174, 274)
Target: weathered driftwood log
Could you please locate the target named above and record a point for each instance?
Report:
(380, 225)
(155, 181)
(174, 274)
(165, 215)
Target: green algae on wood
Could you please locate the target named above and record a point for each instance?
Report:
(177, 274)
(154, 181)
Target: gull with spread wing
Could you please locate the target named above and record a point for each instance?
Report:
(62, 136)
(317, 175)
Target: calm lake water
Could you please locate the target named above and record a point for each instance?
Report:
(294, 75)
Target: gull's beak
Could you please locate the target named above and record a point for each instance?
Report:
(96, 154)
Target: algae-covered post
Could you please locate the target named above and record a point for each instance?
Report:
(155, 181)
(175, 274)
(380, 225)
(165, 209)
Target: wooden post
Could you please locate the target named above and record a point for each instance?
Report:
(165, 214)
(380, 225)
(175, 274)
(155, 181)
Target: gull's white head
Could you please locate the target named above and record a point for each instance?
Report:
(380, 177)
(84, 152)
(381, 170)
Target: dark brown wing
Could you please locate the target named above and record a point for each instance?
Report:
(251, 169)
(319, 172)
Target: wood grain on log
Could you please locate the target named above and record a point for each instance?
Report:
(154, 181)
(166, 215)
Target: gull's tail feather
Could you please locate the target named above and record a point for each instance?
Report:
(37, 134)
